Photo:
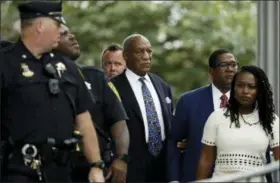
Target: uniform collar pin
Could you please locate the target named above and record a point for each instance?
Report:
(23, 56)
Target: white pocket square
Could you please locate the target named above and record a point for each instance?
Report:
(167, 100)
(88, 85)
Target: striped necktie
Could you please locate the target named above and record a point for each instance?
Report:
(224, 101)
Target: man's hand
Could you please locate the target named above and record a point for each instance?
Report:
(117, 171)
(96, 175)
(181, 145)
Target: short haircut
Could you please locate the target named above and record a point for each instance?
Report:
(128, 39)
(26, 22)
(214, 57)
(112, 47)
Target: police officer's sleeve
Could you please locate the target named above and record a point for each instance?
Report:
(113, 106)
(83, 98)
(1, 83)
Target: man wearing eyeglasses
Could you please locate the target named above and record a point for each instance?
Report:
(42, 100)
(192, 111)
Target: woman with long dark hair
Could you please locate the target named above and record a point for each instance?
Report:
(237, 137)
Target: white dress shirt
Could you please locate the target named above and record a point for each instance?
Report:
(216, 93)
(136, 86)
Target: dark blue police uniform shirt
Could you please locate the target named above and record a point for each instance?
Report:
(29, 111)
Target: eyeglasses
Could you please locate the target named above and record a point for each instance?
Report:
(224, 65)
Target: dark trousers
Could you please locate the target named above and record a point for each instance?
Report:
(79, 174)
(17, 177)
(156, 168)
(144, 167)
(50, 173)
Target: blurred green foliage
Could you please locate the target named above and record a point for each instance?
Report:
(183, 33)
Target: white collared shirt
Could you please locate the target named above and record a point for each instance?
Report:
(216, 93)
(136, 86)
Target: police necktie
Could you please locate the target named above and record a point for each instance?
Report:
(224, 100)
(154, 142)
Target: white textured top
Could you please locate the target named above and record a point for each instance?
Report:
(238, 149)
(136, 86)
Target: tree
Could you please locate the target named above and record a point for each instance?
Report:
(183, 33)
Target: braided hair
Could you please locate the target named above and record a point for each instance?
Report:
(264, 99)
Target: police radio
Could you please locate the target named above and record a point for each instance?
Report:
(53, 83)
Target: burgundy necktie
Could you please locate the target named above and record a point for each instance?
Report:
(223, 101)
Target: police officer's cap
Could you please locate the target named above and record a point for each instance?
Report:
(34, 9)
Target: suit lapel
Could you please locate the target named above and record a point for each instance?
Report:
(161, 95)
(128, 96)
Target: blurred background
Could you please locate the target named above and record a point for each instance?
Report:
(182, 33)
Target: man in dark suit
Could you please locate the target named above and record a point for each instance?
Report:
(148, 102)
(192, 111)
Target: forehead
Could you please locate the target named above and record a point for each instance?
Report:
(63, 28)
(113, 55)
(246, 77)
(140, 43)
(48, 20)
(226, 57)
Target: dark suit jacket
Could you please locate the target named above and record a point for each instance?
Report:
(137, 166)
(192, 111)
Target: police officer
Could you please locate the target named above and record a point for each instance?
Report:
(43, 98)
(107, 111)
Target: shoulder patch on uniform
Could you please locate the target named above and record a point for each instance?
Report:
(113, 88)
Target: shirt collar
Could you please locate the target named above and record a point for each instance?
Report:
(134, 77)
(26, 54)
(217, 93)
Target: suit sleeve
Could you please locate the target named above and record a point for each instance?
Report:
(1, 86)
(1, 83)
(177, 132)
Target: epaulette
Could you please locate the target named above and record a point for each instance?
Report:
(7, 48)
(91, 68)
(4, 43)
